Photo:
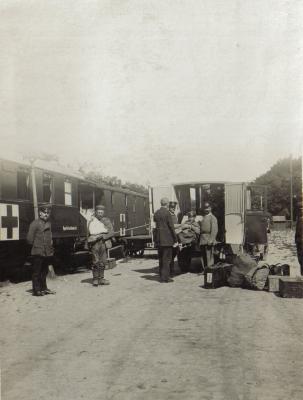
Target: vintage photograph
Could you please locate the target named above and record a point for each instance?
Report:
(151, 204)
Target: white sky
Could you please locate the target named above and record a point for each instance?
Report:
(154, 90)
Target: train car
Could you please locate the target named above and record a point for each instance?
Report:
(240, 208)
(73, 199)
(128, 211)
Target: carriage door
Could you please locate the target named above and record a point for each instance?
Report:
(234, 213)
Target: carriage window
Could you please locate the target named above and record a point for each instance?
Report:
(23, 185)
(47, 183)
(67, 193)
(192, 192)
(126, 201)
(134, 204)
(86, 198)
(112, 199)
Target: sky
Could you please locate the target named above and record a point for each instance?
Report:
(152, 91)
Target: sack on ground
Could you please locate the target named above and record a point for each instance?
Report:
(242, 264)
(257, 277)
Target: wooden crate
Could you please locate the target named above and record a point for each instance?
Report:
(273, 283)
(291, 287)
(111, 263)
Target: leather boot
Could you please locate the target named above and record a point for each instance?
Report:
(102, 280)
(95, 276)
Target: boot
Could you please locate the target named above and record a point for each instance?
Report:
(101, 279)
(95, 276)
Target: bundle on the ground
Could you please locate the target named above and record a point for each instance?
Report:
(242, 264)
(256, 278)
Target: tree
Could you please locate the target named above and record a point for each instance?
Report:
(278, 181)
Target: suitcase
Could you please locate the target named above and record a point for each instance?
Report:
(280, 269)
(291, 287)
(216, 275)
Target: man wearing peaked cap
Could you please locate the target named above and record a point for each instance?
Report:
(100, 231)
(209, 231)
(40, 238)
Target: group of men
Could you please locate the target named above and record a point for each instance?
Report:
(39, 236)
(168, 244)
(101, 235)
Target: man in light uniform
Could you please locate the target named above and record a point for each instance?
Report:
(100, 232)
(209, 231)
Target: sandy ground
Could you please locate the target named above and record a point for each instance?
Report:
(140, 339)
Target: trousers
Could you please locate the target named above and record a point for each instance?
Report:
(207, 252)
(184, 259)
(165, 257)
(40, 270)
(99, 259)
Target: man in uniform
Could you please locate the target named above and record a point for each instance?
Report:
(166, 239)
(172, 209)
(40, 238)
(100, 232)
(299, 234)
(209, 231)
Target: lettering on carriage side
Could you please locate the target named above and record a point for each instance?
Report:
(69, 228)
(9, 222)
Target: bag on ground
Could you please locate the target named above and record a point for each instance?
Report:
(242, 264)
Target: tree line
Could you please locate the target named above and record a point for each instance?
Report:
(278, 180)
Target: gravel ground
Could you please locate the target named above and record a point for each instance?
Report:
(139, 339)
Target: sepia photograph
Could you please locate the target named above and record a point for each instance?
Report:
(151, 211)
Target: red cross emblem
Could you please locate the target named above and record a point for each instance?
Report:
(9, 217)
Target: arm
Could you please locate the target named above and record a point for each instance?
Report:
(171, 227)
(214, 229)
(31, 233)
(110, 229)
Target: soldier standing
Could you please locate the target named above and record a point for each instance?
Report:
(40, 238)
(99, 241)
(299, 234)
(172, 209)
(209, 231)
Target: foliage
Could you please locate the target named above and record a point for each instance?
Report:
(278, 180)
(95, 174)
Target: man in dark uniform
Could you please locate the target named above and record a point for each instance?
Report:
(40, 238)
(166, 239)
(100, 232)
(299, 234)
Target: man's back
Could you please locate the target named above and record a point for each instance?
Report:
(165, 233)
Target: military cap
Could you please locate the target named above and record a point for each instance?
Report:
(207, 206)
(100, 207)
(44, 206)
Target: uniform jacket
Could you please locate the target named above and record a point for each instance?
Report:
(40, 237)
(209, 230)
(165, 232)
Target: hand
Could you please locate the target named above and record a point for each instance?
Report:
(176, 244)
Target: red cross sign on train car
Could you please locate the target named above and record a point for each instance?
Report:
(9, 222)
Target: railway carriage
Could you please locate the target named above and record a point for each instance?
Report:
(72, 198)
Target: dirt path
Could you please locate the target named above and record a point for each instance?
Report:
(139, 339)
